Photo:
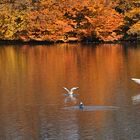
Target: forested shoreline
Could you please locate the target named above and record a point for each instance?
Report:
(69, 21)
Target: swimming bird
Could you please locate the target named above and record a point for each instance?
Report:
(81, 105)
(136, 80)
(70, 92)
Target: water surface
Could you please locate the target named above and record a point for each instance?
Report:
(32, 99)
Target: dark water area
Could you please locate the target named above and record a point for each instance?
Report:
(32, 101)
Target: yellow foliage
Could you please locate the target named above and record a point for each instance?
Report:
(133, 12)
(135, 29)
(11, 23)
(60, 20)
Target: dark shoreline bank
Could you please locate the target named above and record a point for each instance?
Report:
(32, 42)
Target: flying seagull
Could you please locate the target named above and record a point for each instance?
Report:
(136, 80)
(70, 92)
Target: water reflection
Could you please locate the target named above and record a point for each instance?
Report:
(31, 100)
(136, 99)
(70, 98)
(92, 108)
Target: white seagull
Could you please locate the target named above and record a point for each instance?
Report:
(136, 80)
(70, 92)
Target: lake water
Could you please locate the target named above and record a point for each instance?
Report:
(32, 101)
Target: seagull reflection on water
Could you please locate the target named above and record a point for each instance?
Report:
(136, 99)
(70, 98)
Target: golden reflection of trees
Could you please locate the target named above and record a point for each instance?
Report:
(94, 69)
(100, 71)
(134, 62)
(100, 67)
(40, 72)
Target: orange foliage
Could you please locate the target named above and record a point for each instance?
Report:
(68, 20)
(97, 19)
(107, 23)
(47, 23)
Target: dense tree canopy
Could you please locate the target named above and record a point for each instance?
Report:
(131, 11)
(67, 20)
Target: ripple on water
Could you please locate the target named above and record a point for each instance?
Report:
(92, 108)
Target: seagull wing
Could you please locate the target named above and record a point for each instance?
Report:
(72, 89)
(136, 80)
(66, 89)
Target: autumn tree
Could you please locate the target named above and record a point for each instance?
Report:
(95, 20)
(46, 21)
(60, 20)
(12, 22)
(131, 11)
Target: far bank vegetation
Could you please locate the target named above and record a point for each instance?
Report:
(68, 20)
